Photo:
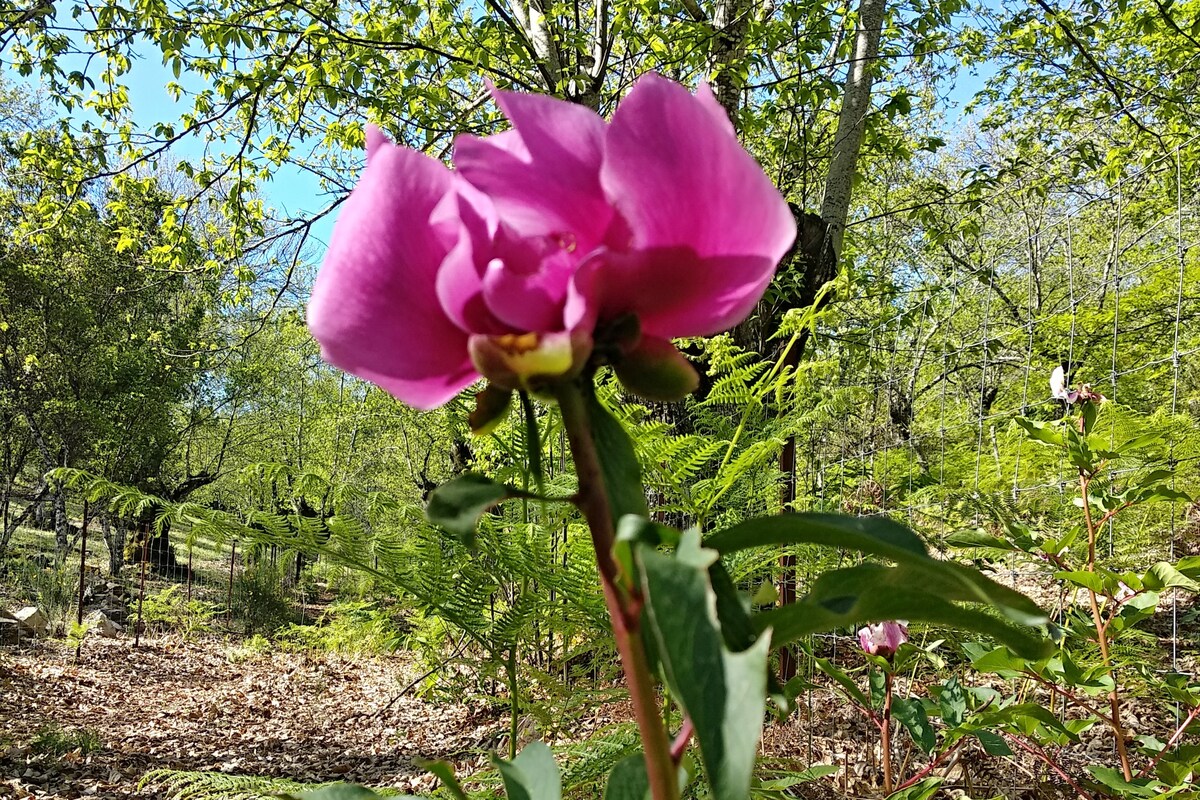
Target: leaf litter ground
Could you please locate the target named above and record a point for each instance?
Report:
(186, 705)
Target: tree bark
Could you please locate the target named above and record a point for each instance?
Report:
(114, 538)
(11, 526)
(820, 261)
(730, 20)
(856, 103)
(62, 538)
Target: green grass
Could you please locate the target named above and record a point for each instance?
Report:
(53, 740)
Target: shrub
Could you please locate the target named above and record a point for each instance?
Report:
(168, 609)
(358, 627)
(51, 588)
(261, 600)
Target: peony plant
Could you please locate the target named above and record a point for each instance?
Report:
(568, 245)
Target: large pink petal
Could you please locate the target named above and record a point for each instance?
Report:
(679, 178)
(373, 308)
(673, 292)
(544, 175)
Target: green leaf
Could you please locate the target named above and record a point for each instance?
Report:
(1141, 442)
(1088, 412)
(628, 780)
(532, 775)
(723, 692)
(1028, 719)
(458, 504)
(928, 593)
(1165, 576)
(444, 772)
(877, 683)
(875, 536)
(993, 743)
(1000, 661)
(921, 790)
(974, 538)
(952, 701)
(618, 462)
(844, 680)
(1114, 779)
(1161, 494)
(884, 538)
(1084, 578)
(1041, 431)
(910, 712)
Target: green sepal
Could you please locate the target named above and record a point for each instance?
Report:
(492, 405)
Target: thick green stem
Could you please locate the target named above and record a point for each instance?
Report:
(514, 711)
(885, 732)
(623, 609)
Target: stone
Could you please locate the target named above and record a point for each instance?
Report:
(97, 621)
(10, 632)
(33, 621)
(117, 613)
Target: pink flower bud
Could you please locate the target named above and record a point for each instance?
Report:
(883, 638)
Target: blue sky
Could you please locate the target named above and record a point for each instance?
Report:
(291, 191)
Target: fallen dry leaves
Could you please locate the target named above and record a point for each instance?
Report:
(179, 704)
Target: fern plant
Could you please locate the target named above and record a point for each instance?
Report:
(185, 785)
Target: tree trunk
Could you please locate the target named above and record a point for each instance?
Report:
(62, 539)
(730, 21)
(11, 526)
(856, 102)
(820, 261)
(155, 546)
(114, 537)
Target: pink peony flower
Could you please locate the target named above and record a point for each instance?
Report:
(883, 638)
(1058, 386)
(507, 265)
(1060, 391)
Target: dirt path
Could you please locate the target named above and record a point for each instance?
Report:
(175, 704)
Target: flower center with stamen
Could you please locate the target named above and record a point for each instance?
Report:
(510, 359)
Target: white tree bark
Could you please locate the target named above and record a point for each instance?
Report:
(856, 103)
(530, 15)
(730, 19)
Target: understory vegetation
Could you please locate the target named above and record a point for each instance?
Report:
(1002, 361)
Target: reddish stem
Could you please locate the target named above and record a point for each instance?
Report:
(932, 765)
(1175, 737)
(624, 610)
(682, 740)
(1042, 756)
(885, 732)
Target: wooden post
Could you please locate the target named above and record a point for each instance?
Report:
(229, 594)
(82, 577)
(137, 628)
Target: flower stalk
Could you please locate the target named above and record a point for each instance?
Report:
(885, 731)
(1093, 530)
(1114, 696)
(624, 607)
